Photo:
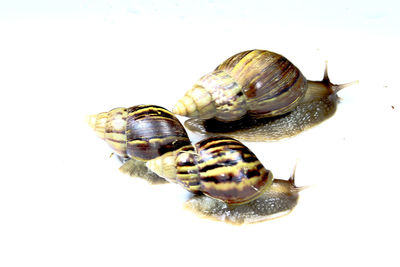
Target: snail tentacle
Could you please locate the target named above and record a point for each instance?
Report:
(335, 87)
(321, 89)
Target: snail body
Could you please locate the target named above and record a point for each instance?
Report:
(250, 89)
(276, 201)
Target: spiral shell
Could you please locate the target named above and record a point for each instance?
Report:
(141, 132)
(222, 168)
(256, 82)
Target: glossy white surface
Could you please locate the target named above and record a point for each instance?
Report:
(63, 201)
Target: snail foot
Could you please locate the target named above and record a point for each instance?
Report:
(303, 117)
(276, 202)
(137, 168)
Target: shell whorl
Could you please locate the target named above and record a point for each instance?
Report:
(257, 82)
(111, 127)
(142, 132)
(229, 171)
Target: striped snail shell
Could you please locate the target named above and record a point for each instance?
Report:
(253, 85)
(219, 167)
(139, 133)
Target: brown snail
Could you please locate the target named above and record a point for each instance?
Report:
(229, 181)
(257, 95)
(234, 185)
(139, 134)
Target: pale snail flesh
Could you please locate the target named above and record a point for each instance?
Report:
(229, 181)
(257, 95)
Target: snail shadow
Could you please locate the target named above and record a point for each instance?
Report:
(303, 117)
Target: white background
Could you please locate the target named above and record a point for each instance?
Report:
(63, 201)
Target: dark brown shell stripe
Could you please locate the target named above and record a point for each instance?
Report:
(271, 83)
(229, 171)
(152, 131)
(187, 172)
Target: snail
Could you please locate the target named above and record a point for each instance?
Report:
(257, 95)
(229, 181)
(139, 134)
